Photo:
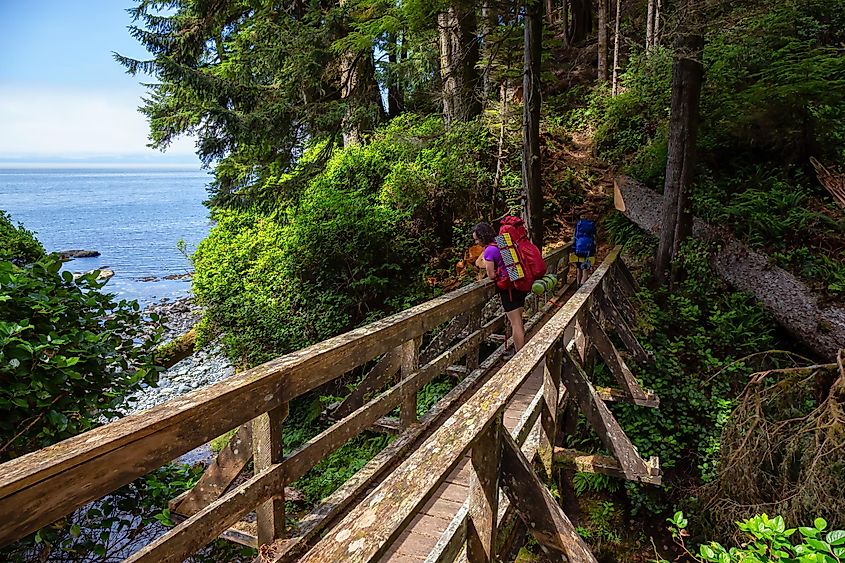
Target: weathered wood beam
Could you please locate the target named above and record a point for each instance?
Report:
(816, 322)
(620, 371)
(551, 390)
(410, 363)
(484, 493)
(221, 473)
(606, 465)
(266, 452)
(443, 338)
(602, 420)
(381, 374)
(537, 508)
(620, 326)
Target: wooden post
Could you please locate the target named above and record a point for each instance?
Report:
(548, 418)
(537, 508)
(484, 494)
(267, 450)
(410, 363)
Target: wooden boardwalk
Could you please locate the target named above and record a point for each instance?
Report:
(424, 531)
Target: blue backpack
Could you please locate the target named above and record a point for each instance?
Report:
(584, 244)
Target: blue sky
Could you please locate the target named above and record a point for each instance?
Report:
(62, 95)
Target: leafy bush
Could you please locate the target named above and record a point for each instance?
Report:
(351, 245)
(69, 355)
(16, 243)
(768, 540)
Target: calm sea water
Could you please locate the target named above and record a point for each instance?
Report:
(133, 217)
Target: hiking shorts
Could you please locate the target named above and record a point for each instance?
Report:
(512, 299)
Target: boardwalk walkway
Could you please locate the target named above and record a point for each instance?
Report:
(427, 527)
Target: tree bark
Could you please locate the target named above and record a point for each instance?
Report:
(489, 21)
(810, 318)
(655, 38)
(458, 60)
(687, 73)
(550, 12)
(602, 38)
(581, 20)
(364, 108)
(531, 184)
(649, 25)
(395, 92)
(614, 88)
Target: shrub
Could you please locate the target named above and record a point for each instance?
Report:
(767, 540)
(69, 355)
(16, 243)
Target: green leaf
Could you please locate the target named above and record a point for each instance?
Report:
(835, 537)
(820, 524)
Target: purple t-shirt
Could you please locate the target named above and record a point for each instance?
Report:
(493, 254)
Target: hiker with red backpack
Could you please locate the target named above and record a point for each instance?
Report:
(513, 262)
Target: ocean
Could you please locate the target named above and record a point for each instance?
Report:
(133, 216)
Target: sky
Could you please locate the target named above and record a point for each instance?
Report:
(62, 95)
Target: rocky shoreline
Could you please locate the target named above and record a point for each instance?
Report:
(204, 367)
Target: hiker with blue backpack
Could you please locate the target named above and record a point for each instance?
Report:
(513, 262)
(583, 248)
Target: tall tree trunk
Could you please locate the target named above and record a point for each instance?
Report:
(581, 20)
(614, 88)
(395, 92)
(676, 218)
(550, 12)
(564, 23)
(649, 25)
(602, 33)
(458, 60)
(655, 37)
(360, 90)
(531, 184)
(489, 21)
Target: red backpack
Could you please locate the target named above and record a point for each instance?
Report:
(529, 258)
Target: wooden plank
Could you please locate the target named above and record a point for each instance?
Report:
(484, 493)
(537, 508)
(376, 378)
(267, 451)
(410, 363)
(367, 529)
(618, 323)
(603, 421)
(606, 465)
(614, 292)
(225, 468)
(620, 371)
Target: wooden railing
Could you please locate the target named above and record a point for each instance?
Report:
(41, 487)
(559, 349)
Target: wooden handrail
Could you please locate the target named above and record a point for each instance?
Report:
(367, 530)
(43, 486)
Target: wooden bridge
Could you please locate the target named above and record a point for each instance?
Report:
(457, 484)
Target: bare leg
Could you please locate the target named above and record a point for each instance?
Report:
(515, 318)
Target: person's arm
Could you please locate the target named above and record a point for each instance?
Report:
(491, 269)
(479, 262)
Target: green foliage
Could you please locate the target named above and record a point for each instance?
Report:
(69, 354)
(697, 333)
(351, 246)
(767, 540)
(16, 243)
(584, 483)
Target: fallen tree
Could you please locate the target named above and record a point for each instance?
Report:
(818, 326)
